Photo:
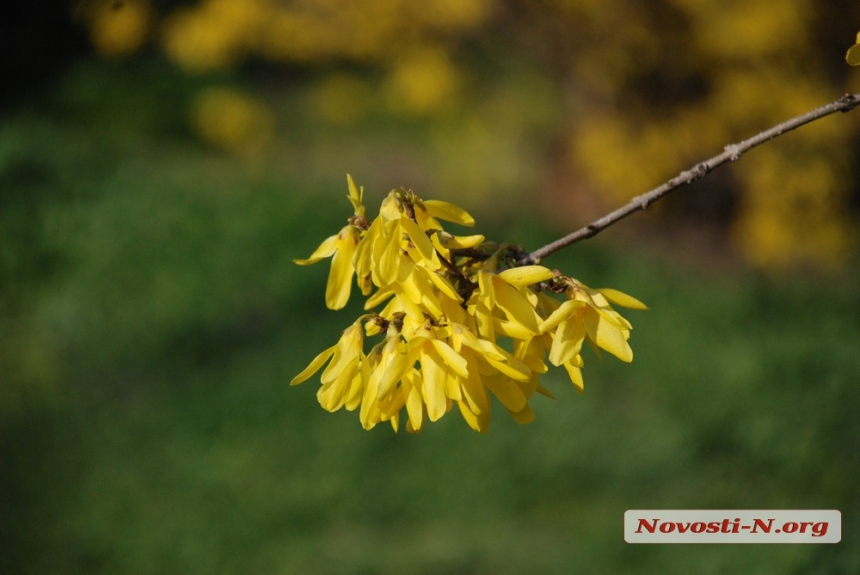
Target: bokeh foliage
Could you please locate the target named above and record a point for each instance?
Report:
(600, 100)
(151, 316)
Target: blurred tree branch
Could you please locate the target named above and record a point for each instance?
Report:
(732, 153)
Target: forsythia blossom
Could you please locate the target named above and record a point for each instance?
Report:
(446, 302)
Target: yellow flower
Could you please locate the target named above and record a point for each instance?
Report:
(342, 381)
(491, 368)
(446, 306)
(427, 215)
(587, 314)
(505, 305)
(383, 356)
(342, 248)
(395, 382)
(397, 229)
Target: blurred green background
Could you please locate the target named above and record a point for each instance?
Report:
(162, 163)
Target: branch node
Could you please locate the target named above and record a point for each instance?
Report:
(735, 151)
(848, 102)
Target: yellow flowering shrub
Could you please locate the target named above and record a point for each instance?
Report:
(608, 98)
(422, 81)
(446, 302)
(118, 29)
(231, 120)
(726, 70)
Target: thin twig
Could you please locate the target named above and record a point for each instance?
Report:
(732, 153)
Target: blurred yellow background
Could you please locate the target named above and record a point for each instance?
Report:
(584, 104)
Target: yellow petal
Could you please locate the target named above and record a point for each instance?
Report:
(434, 375)
(511, 366)
(414, 403)
(485, 288)
(567, 341)
(340, 278)
(484, 321)
(614, 318)
(412, 309)
(440, 282)
(368, 415)
(473, 420)
(474, 391)
(419, 239)
(526, 275)
(486, 348)
(507, 391)
(528, 387)
(515, 305)
(511, 329)
(452, 242)
(365, 284)
(406, 282)
(356, 195)
(622, 299)
(348, 347)
(414, 312)
(452, 387)
(325, 250)
(448, 212)
(359, 381)
(544, 391)
(314, 366)
(370, 412)
(523, 416)
(333, 394)
(562, 313)
(575, 375)
(607, 336)
(453, 311)
(362, 261)
(386, 256)
(390, 405)
(380, 296)
(390, 209)
(426, 293)
(451, 358)
(399, 364)
(534, 362)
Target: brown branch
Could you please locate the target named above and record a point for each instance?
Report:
(732, 153)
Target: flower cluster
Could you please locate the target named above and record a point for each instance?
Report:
(446, 303)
